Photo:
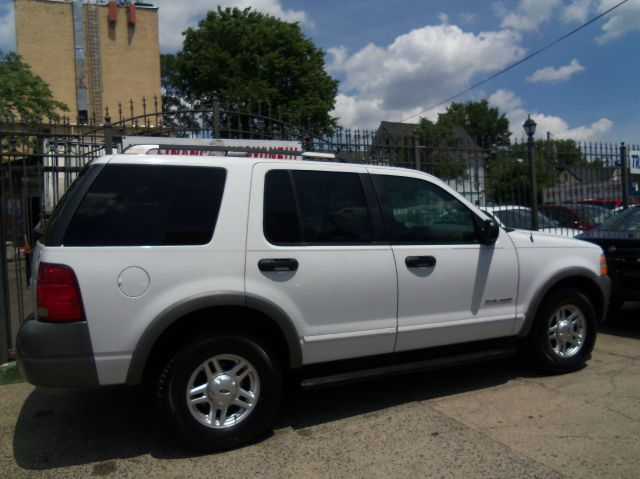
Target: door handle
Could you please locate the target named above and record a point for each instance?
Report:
(420, 261)
(278, 264)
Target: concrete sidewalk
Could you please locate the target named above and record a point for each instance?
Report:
(495, 420)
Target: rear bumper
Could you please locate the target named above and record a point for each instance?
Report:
(56, 354)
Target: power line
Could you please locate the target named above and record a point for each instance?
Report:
(519, 62)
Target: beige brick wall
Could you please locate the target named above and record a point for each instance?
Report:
(130, 55)
(44, 39)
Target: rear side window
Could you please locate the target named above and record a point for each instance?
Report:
(316, 207)
(144, 205)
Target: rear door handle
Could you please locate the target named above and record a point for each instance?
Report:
(420, 261)
(278, 264)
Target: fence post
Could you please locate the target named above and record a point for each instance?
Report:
(533, 184)
(4, 292)
(416, 149)
(108, 136)
(216, 117)
(625, 175)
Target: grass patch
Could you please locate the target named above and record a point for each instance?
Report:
(9, 374)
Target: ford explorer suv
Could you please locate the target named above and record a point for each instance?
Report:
(219, 279)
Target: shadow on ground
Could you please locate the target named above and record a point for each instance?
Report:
(65, 427)
(625, 322)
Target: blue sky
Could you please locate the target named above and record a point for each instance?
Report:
(397, 58)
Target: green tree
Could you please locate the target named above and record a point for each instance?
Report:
(508, 172)
(439, 154)
(445, 158)
(246, 58)
(25, 96)
(484, 124)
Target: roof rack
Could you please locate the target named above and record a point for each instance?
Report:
(220, 150)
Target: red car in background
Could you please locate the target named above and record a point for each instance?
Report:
(576, 215)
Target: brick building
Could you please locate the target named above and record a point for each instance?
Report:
(92, 54)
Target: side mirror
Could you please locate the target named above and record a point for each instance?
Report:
(489, 232)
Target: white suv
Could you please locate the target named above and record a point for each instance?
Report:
(219, 277)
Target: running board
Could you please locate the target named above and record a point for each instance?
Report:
(406, 368)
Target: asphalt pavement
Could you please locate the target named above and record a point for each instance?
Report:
(493, 420)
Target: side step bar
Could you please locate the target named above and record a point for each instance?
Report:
(406, 368)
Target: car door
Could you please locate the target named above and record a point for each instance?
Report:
(316, 249)
(451, 288)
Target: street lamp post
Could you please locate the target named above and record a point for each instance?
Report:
(530, 129)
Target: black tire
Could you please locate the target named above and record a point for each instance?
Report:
(200, 426)
(558, 342)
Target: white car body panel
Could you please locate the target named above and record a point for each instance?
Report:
(116, 322)
(541, 256)
(343, 299)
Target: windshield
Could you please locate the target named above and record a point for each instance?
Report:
(626, 220)
(593, 213)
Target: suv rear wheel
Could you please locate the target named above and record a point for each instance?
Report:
(564, 331)
(220, 392)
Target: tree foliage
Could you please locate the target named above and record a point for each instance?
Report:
(252, 62)
(508, 175)
(485, 125)
(25, 96)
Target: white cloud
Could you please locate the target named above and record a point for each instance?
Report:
(622, 20)
(560, 129)
(338, 56)
(175, 16)
(529, 14)
(7, 28)
(418, 69)
(578, 11)
(511, 105)
(551, 74)
(506, 101)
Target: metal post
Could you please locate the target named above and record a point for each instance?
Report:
(533, 184)
(108, 136)
(216, 117)
(416, 149)
(625, 175)
(5, 316)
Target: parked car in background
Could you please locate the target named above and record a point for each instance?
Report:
(576, 215)
(619, 237)
(519, 217)
(609, 203)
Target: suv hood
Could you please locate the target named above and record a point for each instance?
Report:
(539, 239)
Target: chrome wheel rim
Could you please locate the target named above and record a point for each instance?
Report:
(223, 391)
(567, 330)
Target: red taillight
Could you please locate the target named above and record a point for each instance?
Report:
(58, 294)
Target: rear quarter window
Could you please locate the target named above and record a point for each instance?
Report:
(148, 205)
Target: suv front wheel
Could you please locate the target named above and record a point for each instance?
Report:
(220, 392)
(564, 331)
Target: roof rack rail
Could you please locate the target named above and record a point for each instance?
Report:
(220, 150)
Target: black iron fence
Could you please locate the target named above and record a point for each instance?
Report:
(39, 162)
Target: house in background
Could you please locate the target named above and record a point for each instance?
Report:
(461, 163)
(92, 55)
(576, 183)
